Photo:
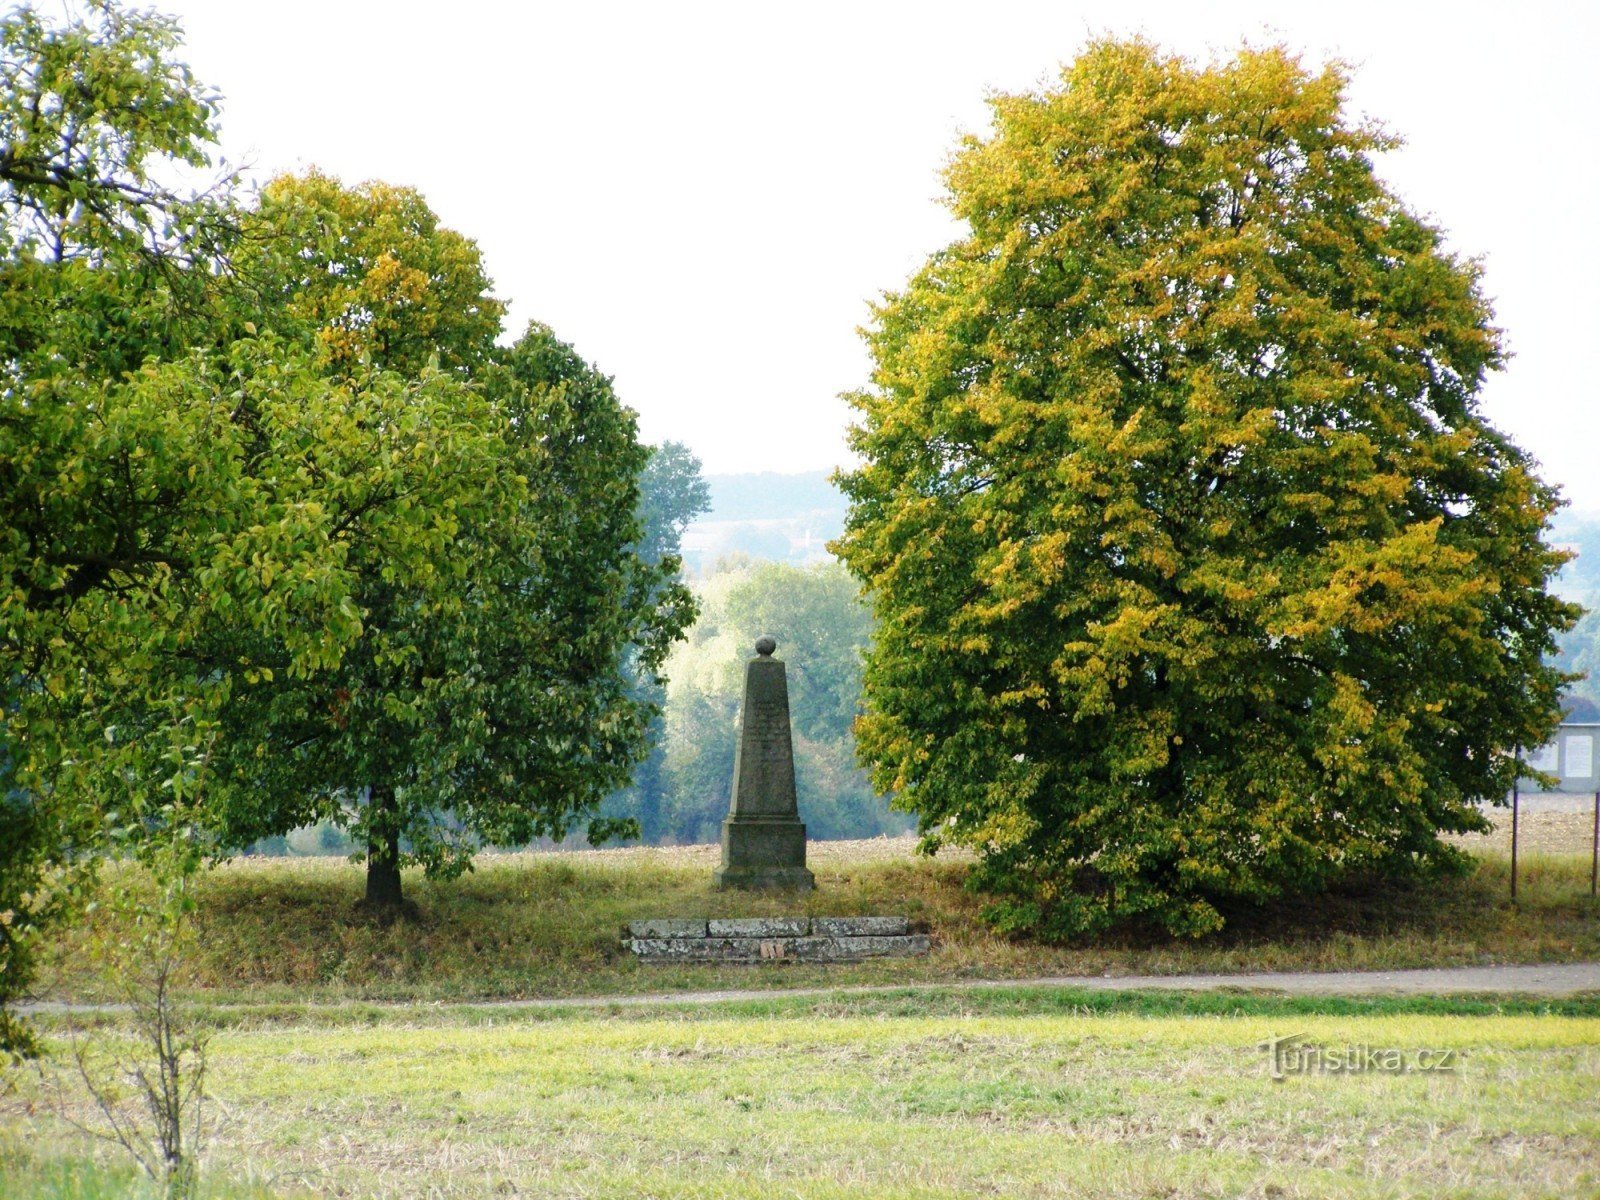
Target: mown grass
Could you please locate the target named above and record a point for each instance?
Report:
(919, 1000)
(31, 1174)
(1015, 1091)
(949, 1103)
(290, 931)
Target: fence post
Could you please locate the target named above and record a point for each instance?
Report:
(1516, 798)
(1594, 863)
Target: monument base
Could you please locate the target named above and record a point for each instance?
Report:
(763, 854)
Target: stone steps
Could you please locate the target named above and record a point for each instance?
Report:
(774, 939)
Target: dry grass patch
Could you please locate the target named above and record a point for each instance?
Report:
(1566, 831)
(549, 925)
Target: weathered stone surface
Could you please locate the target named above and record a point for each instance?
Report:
(763, 845)
(860, 926)
(763, 763)
(668, 927)
(802, 949)
(696, 949)
(777, 949)
(763, 840)
(847, 948)
(744, 949)
(760, 927)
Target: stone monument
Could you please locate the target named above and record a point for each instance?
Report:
(763, 839)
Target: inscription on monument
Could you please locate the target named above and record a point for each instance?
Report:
(768, 721)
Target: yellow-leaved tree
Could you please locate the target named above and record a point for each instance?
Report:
(1200, 576)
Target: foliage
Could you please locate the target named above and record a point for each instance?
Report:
(88, 107)
(151, 487)
(149, 1088)
(822, 628)
(27, 905)
(99, 252)
(229, 495)
(672, 493)
(226, 465)
(1199, 574)
(368, 285)
(369, 276)
(487, 701)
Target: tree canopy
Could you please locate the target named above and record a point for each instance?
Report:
(489, 699)
(672, 493)
(1200, 576)
(368, 276)
(163, 491)
(489, 702)
(283, 533)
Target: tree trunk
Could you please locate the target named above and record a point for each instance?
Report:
(383, 852)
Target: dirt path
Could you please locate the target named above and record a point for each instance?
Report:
(1548, 979)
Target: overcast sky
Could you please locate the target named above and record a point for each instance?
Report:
(704, 198)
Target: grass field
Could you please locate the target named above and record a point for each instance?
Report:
(287, 931)
(1016, 1093)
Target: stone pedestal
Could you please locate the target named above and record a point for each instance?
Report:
(763, 839)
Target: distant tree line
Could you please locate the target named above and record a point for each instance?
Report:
(823, 628)
(681, 791)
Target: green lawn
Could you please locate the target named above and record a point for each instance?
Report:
(1026, 1094)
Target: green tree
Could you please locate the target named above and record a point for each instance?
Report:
(178, 506)
(367, 275)
(672, 493)
(99, 254)
(90, 249)
(490, 701)
(1199, 575)
(822, 628)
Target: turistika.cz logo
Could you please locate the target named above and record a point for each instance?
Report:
(1294, 1055)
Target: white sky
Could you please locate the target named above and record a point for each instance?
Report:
(703, 198)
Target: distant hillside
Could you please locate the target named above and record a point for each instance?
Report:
(791, 518)
(1579, 530)
(766, 515)
(767, 495)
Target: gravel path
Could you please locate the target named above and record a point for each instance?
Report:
(1546, 979)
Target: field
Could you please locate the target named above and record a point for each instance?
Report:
(1029, 1094)
(353, 1058)
(286, 931)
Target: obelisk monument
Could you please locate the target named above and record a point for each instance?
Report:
(763, 839)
